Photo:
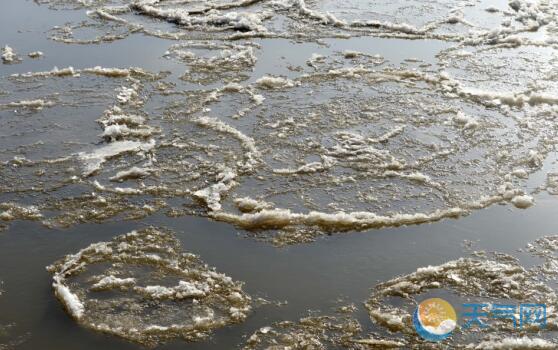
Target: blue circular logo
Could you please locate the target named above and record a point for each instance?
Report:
(434, 319)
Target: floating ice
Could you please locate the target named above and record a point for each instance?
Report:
(55, 72)
(523, 201)
(8, 55)
(341, 221)
(522, 343)
(353, 142)
(109, 72)
(125, 94)
(391, 303)
(251, 156)
(14, 211)
(247, 205)
(212, 194)
(151, 290)
(132, 173)
(111, 282)
(71, 301)
(326, 163)
(546, 248)
(35, 54)
(120, 131)
(312, 332)
(241, 21)
(465, 121)
(269, 82)
(93, 160)
(325, 18)
(37, 104)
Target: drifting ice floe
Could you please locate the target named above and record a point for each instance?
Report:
(37, 104)
(142, 287)
(391, 304)
(35, 54)
(13, 211)
(312, 332)
(268, 82)
(455, 20)
(230, 61)
(10, 211)
(132, 173)
(522, 201)
(546, 248)
(94, 160)
(9, 55)
(212, 194)
(514, 343)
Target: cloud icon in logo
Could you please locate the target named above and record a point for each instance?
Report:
(434, 319)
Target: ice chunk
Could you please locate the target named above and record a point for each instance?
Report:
(312, 332)
(132, 173)
(135, 305)
(510, 343)
(37, 104)
(269, 82)
(523, 201)
(95, 159)
(212, 194)
(35, 54)
(8, 55)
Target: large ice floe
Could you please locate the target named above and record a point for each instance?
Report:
(142, 287)
(486, 279)
(468, 21)
(339, 330)
(489, 279)
(312, 332)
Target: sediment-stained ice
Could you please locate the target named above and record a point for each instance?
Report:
(9, 55)
(380, 147)
(142, 287)
(268, 82)
(35, 54)
(522, 201)
(512, 343)
(467, 21)
(37, 104)
(486, 279)
(209, 62)
(289, 119)
(546, 248)
(312, 332)
(338, 139)
(10, 211)
(324, 150)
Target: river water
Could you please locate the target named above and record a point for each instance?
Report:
(307, 150)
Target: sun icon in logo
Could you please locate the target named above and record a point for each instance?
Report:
(434, 319)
